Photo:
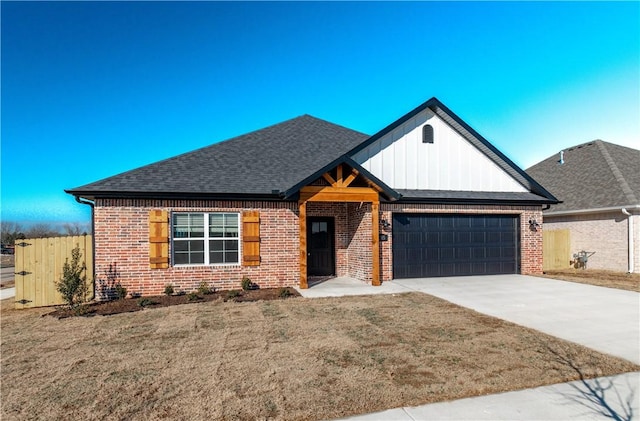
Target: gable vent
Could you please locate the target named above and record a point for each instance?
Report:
(427, 133)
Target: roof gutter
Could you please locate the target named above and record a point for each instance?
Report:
(630, 237)
(84, 201)
(595, 210)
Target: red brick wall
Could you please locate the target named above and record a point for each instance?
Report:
(122, 238)
(530, 241)
(359, 226)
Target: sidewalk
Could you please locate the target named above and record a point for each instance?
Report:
(615, 397)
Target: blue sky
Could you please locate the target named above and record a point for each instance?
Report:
(92, 89)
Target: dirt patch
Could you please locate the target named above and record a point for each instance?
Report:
(602, 278)
(298, 359)
(129, 305)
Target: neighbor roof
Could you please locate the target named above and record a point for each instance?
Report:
(263, 162)
(592, 175)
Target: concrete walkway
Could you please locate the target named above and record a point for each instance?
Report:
(604, 319)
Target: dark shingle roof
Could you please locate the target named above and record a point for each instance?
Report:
(594, 175)
(257, 163)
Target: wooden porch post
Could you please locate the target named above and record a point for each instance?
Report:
(375, 245)
(302, 218)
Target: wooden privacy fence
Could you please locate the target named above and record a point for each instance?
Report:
(38, 265)
(556, 252)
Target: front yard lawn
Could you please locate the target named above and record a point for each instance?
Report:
(285, 359)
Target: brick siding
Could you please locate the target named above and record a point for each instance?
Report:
(605, 233)
(122, 239)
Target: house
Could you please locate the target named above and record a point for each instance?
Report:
(426, 196)
(599, 185)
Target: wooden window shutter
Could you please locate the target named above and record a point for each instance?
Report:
(251, 238)
(158, 239)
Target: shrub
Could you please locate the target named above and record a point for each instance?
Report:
(284, 293)
(234, 293)
(246, 283)
(73, 286)
(193, 296)
(121, 292)
(205, 289)
(168, 289)
(145, 302)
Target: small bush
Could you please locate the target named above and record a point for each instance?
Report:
(82, 310)
(284, 293)
(73, 284)
(205, 289)
(193, 296)
(121, 292)
(145, 302)
(168, 289)
(233, 293)
(246, 283)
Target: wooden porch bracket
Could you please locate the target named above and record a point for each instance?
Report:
(340, 191)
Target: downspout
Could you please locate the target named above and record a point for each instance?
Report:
(630, 235)
(83, 201)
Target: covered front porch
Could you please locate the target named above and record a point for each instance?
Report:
(339, 224)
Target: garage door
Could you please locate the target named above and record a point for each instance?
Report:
(455, 245)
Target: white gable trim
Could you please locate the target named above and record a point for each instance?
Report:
(402, 161)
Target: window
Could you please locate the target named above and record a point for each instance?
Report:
(206, 238)
(427, 133)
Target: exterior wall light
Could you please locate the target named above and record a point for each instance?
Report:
(533, 225)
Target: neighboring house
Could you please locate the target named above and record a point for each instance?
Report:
(426, 196)
(599, 186)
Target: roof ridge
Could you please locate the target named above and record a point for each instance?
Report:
(616, 172)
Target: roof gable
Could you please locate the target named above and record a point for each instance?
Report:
(460, 159)
(263, 162)
(592, 175)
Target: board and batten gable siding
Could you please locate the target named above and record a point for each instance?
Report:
(402, 161)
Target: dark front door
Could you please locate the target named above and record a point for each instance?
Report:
(320, 247)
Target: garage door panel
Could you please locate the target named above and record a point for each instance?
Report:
(430, 245)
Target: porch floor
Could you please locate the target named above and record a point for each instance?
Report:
(326, 286)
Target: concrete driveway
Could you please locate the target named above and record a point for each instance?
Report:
(604, 319)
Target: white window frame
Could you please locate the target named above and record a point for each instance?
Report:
(206, 238)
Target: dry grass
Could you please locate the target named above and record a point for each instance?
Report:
(292, 359)
(602, 278)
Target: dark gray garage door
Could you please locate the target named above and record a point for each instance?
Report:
(455, 245)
